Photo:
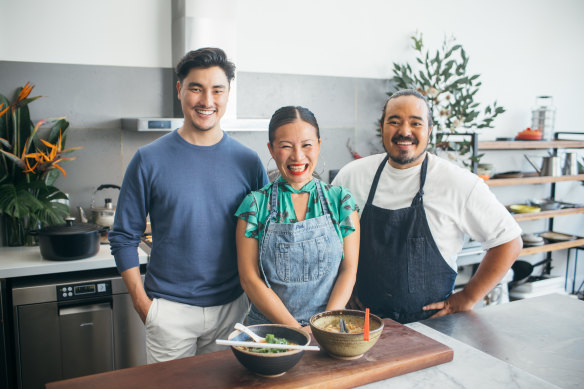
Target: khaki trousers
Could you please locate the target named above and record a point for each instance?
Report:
(175, 330)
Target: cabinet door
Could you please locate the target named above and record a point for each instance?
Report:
(38, 345)
(86, 339)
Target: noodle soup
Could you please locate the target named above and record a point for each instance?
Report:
(350, 325)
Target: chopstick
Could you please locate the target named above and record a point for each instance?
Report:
(366, 333)
(266, 345)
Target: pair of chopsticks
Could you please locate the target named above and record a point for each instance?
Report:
(237, 343)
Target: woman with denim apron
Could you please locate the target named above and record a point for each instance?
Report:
(297, 238)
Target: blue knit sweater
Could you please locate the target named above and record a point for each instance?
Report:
(191, 193)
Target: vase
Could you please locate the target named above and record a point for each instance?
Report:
(15, 233)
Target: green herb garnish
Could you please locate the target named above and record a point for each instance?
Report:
(270, 338)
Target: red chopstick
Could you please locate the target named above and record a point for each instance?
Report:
(366, 334)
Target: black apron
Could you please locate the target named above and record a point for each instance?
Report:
(400, 267)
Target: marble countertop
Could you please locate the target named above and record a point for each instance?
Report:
(543, 336)
(27, 261)
(530, 343)
(470, 368)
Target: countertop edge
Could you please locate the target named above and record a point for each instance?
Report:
(26, 261)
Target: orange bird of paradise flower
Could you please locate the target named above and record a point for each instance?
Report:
(50, 159)
(22, 95)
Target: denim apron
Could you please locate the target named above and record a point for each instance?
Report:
(400, 266)
(299, 261)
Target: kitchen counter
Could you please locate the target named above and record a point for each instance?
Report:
(27, 261)
(534, 343)
(543, 336)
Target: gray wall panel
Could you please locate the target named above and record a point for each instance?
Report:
(332, 99)
(95, 98)
(91, 96)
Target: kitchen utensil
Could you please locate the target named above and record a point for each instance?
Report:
(556, 236)
(545, 204)
(570, 165)
(342, 325)
(69, 241)
(272, 364)
(529, 134)
(82, 216)
(345, 345)
(543, 116)
(550, 166)
(366, 331)
(522, 208)
(532, 240)
(224, 342)
(253, 335)
(104, 216)
(510, 174)
(522, 270)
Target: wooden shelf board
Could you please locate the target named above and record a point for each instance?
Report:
(552, 247)
(547, 214)
(530, 144)
(531, 180)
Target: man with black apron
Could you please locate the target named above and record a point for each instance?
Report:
(416, 210)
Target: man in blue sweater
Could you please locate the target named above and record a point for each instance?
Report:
(190, 182)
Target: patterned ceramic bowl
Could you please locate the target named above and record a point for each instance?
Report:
(339, 345)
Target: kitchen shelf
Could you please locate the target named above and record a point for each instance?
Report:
(555, 144)
(532, 180)
(530, 144)
(547, 214)
(552, 247)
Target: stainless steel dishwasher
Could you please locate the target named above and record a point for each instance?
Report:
(72, 325)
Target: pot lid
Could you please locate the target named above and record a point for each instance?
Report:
(70, 228)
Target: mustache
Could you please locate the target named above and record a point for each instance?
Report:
(401, 138)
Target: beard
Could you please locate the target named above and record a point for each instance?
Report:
(404, 157)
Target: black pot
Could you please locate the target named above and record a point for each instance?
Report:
(69, 241)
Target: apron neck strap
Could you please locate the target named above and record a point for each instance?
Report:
(376, 180)
(418, 198)
(274, 200)
(325, 209)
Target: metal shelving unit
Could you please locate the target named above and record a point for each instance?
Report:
(554, 145)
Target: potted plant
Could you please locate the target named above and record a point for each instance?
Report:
(29, 166)
(442, 77)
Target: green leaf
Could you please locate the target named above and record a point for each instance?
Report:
(16, 201)
(61, 126)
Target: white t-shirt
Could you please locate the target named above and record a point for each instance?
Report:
(456, 201)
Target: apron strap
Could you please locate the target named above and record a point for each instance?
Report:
(272, 215)
(376, 180)
(320, 194)
(418, 198)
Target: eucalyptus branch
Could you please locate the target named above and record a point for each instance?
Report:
(443, 78)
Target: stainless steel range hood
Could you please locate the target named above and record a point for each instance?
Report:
(197, 24)
(170, 124)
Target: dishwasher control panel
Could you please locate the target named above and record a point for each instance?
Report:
(84, 290)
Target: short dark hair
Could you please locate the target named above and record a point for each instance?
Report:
(407, 92)
(204, 58)
(290, 114)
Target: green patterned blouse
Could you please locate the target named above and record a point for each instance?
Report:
(255, 207)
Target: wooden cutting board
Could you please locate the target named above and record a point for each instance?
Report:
(398, 351)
